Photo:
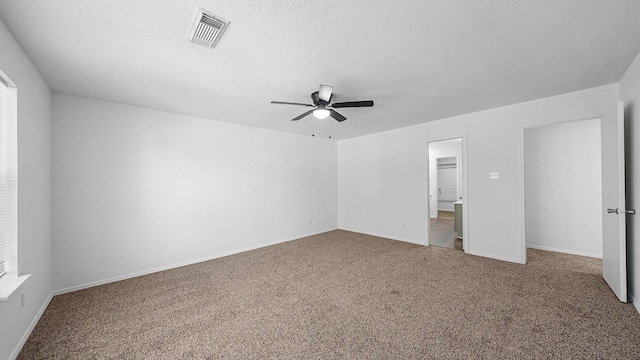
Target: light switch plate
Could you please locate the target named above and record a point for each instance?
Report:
(494, 175)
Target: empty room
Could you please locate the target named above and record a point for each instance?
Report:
(329, 179)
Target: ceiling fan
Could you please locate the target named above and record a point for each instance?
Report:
(323, 106)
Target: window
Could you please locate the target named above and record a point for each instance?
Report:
(9, 279)
(7, 167)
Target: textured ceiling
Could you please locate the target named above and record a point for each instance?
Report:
(419, 60)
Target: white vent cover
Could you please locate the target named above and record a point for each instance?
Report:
(206, 28)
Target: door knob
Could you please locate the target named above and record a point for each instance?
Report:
(619, 211)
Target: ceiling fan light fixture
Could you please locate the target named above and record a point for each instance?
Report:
(321, 113)
(321, 100)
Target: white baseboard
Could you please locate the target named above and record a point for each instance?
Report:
(491, 256)
(391, 237)
(571, 252)
(32, 326)
(181, 264)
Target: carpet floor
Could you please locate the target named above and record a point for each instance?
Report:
(343, 295)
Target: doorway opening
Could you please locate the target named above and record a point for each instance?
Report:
(563, 187)
(446, 188)
(563, 195)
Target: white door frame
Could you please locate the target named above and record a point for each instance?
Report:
(462, 163)
(534, 125)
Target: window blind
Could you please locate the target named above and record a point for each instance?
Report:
(8, 168)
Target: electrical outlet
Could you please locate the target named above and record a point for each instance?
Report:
(404, 224)
(22, 296)
(494, 175)
(310, 220)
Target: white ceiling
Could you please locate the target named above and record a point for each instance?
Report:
(419, 60)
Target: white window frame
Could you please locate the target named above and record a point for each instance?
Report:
(10, 281)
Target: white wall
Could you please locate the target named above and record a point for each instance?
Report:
(136, 190)
(563, 176)
(382, 177)
(34, 195)
(630, 94)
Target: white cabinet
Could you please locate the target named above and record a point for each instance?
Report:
(457, 206)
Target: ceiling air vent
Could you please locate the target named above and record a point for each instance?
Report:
(207, 28)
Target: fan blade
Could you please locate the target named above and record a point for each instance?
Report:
(325, 93)
(290, 103)
(334, 114)
(302, 115)
(363, 103)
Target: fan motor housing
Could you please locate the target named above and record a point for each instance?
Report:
(315, 97)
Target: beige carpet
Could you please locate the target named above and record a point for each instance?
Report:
(343, 295)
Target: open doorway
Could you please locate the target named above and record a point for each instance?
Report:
(563, 187)
(446, 184)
